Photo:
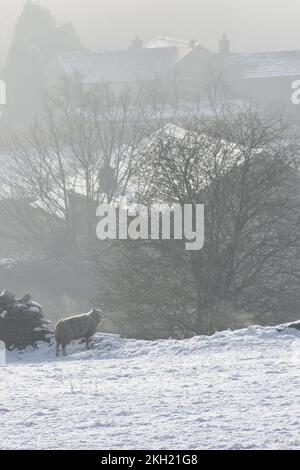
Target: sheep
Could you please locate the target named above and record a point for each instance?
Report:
(77, 327)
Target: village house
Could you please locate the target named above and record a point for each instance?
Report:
(138, 63)
(264, 77)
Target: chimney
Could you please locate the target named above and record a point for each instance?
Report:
(192, 43)
(137, 43)
(224, 46)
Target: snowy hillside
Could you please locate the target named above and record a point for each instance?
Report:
(234, 390)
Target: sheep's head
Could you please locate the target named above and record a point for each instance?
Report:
(97, 315)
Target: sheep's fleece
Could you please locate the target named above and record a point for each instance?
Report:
(78, 327)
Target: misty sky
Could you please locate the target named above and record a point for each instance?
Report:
(110, 24)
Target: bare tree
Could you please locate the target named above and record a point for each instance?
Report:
(244, 168)
(77, 154)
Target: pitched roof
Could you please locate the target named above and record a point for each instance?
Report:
(183, 47)
(120, 66)
(267, 64)
(162, 41)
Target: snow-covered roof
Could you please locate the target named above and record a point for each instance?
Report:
(226, 153)
(267, 64)
(128, 65)
(163, 41)
(183, 47)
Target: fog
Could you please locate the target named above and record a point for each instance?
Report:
(149, 226)
(109, 24)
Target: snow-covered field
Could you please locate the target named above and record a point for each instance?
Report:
(234, 390)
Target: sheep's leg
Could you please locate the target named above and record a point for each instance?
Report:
(87, 343)
(57, 348)
(64, 349)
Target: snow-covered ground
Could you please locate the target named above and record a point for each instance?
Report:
(234, 390)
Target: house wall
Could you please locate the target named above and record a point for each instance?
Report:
(274, 89)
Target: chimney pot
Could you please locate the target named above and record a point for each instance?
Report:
(192, 43)
(224, 45)
(137, 43)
